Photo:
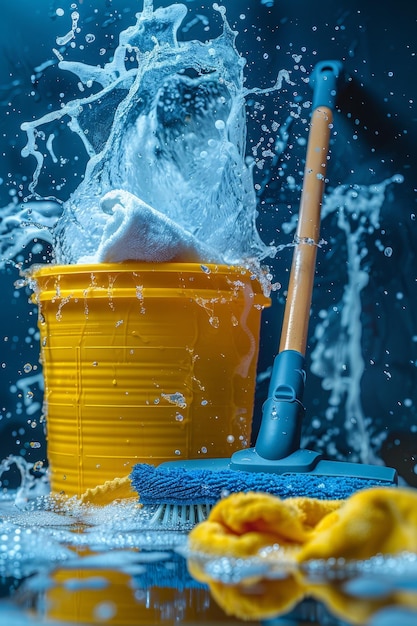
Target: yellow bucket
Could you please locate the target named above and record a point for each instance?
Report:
(145, 363)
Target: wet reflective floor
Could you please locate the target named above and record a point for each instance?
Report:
(68, 563)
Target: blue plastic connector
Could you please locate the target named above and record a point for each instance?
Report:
(283, 411)
(325, 80)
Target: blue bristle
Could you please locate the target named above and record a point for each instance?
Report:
(184, 486)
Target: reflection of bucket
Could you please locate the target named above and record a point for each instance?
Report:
(94, 596)
(145, 362)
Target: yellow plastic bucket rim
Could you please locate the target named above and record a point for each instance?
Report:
(221, 273)
(52, 269)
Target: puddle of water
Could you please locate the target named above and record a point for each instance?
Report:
(65, 562)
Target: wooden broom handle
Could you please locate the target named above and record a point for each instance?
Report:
(300, 288)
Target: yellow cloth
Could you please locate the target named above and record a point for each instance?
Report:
(371, 522)
(377, 520)
(244, 523)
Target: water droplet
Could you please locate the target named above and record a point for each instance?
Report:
(230, 438)
(214, 321)
(388, 251)
(105, 611)
(175, 398)
(27, 368)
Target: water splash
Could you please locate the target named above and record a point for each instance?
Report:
(337, 357)
(30, 224)
(33, 479)
(165, 134)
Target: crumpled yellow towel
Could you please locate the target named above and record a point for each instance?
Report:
(376, 520)
(371, 522)
(244, 523)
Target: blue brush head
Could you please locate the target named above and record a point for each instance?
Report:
(179, 486)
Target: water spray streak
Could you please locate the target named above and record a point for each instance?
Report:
(337, 357)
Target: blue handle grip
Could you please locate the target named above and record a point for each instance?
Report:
(325, 80)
